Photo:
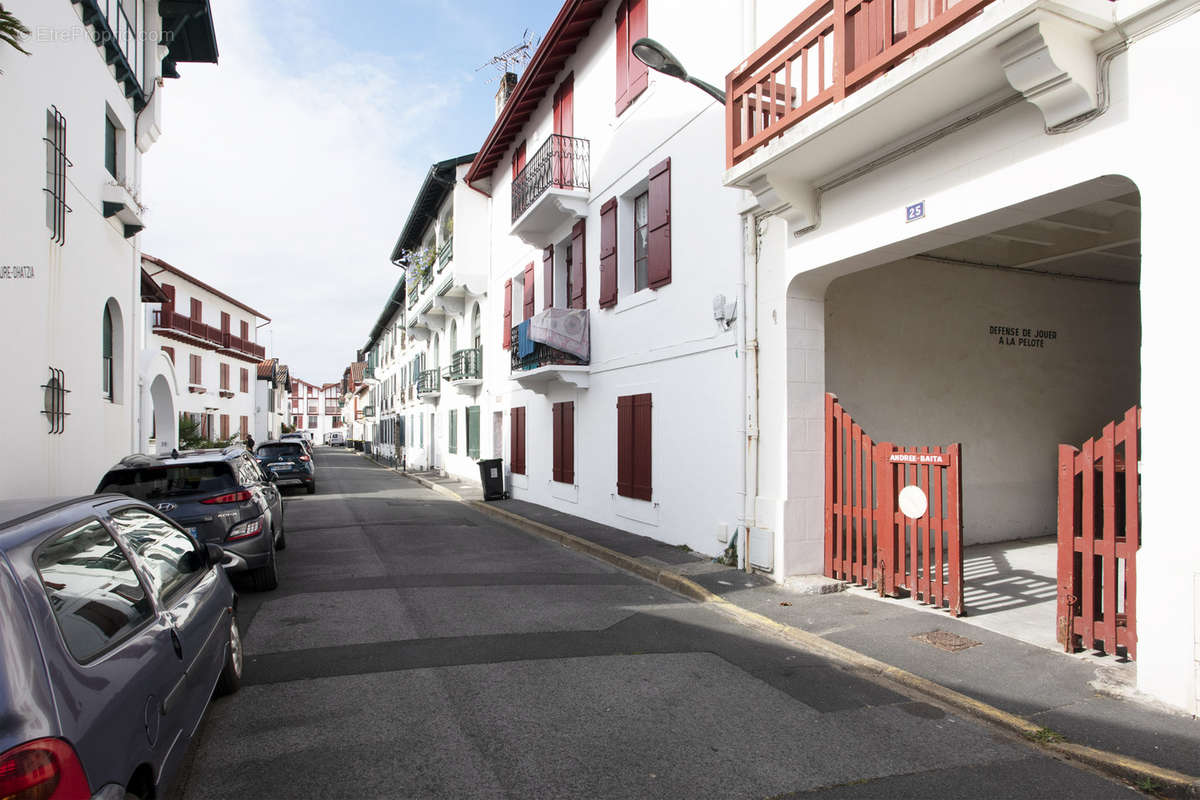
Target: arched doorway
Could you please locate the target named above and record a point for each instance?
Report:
(164, 432)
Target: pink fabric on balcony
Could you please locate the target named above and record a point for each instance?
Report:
(564, 329)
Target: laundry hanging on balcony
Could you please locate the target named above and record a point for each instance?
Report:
(564, 329)
(524, 343)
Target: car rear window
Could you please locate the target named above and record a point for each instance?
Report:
(276, 452)
(97, 598)
(153, 483)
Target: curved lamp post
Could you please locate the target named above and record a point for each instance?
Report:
(659, 58)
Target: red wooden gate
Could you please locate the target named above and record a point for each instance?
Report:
(868, 541)
(1099, 532)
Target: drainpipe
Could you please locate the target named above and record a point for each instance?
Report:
(749, 301)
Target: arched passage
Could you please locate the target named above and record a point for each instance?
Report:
(165, 422)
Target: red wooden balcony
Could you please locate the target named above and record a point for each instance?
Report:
(169, 322)
(832, 49)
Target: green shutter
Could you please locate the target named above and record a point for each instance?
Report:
(473, 431)
(453, 430)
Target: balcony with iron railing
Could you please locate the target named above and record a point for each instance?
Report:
(429, 383)
(445, 254)
(553, 188)
(545, 364)
(843, 82)
(466, 367)
(177, 326)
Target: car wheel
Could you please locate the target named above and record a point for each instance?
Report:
(231, 674)
(312, 488)
(266, 577)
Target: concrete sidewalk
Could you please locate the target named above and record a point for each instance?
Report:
(1084, 708)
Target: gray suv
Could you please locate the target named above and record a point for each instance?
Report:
(218, 496)
(115, 630)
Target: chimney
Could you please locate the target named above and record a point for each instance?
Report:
(507, 83)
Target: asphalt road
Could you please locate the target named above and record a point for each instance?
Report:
(415, 648)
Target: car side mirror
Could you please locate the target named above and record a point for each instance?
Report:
(215, 554)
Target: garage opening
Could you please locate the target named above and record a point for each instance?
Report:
(1010, 342)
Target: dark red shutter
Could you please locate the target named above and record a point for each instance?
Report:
(507, 313)
(564, 107)
(556, 416)
(548, 276)
(622, 56)
(224, 426)
(642, 452)
(578, 265)
(169, 291)
(518, 162)
(527, 306)
(245, 329)
(608, 254)
(516, 444)
(224, 322)
(660, 224)
(625, 446)
(197, 311)
(638, 72)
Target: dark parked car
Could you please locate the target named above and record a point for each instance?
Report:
(298, 437)
(218, 496)
(115, 629)
(288, 462)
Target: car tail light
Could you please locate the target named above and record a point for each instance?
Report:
(233, 497)
(44, 769)
(242, 531)
(305, 458)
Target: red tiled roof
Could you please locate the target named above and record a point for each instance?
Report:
(266, 369)
(569, 28)
(356, 371)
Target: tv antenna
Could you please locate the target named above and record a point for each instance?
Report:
(515, 57)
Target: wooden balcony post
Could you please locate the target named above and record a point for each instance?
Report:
(840, 50)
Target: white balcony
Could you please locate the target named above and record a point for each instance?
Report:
(553, 189)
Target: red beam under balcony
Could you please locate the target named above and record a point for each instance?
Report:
(832, 49)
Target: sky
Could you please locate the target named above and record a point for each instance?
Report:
(284, 173)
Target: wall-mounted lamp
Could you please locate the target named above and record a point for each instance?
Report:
(659, 58)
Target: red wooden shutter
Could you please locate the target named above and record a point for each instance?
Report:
(224, 427)
(194, 370)
(578, 297)
(507, 313)
(243, 426)
(642, 451)
(224, 377)
(516, 443)
(564, 442)
(169, 291)
(245, 329)
(548, 276)
(608, 254)
(622, 56)
(625, 446)
(170, 351)
(638, 72)
(245, 380)
(224, 322)
(660, 224)
(518, 161)
(564, 107)
(527, 305)
(197, 310)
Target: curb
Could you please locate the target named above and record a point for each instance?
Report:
(1142, 774)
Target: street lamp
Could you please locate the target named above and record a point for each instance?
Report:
(659, 58)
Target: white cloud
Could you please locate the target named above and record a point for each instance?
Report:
(284, 175)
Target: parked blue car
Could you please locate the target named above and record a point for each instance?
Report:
(289, 462)
(116, 628)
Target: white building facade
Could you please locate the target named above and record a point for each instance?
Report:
(79, 112)
(979, 245)
(272, 396)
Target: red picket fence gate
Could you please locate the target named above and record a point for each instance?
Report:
(1099, 532)
(868, 540)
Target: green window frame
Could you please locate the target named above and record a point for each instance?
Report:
(473, 432)
(454, 430)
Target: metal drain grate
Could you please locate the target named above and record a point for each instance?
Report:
(944, 640)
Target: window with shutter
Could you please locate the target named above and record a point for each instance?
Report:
(453, 430)
(194, 370)
(507, 313)
(578, 297)
(660, 224)
(224, 377)
(473, 431)
(516, 440)
(608, 253)
(244, 426)
(632, 74)
(564, 442)
(244, 328)
(245, 380)
(518, 160)
(527, 304)
(634, 454)
(548, 277)
(197, 310)
(224, 322)
(224, 427)
(169, 291)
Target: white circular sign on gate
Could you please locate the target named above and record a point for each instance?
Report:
(913, 502)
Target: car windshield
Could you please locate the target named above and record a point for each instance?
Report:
(151, 483)
(277, 452)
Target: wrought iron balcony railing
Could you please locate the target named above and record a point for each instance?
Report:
(465, 365)
(543, 355)
(429, 381)
(562, 162)
(445, 254)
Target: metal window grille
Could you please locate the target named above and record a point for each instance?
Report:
(56, 175)
(54, 400)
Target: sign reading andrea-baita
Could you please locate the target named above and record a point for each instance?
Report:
(1021, 337)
